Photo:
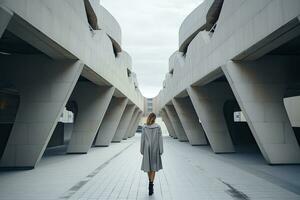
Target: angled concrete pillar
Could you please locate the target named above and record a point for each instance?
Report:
(189, 120)
(208, 102)
(131, 124)
(5, 17)
(111, 121)
(44, 86)
(135, 125)
(168, 123)
(124, 123)
(259, 88)
(175, 121)
(92, 102)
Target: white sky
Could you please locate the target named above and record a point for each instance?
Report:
(150, 35)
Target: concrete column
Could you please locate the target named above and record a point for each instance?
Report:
(111, 121)
(92, 102)
(259, 88)
(131, 124)
(168, 123)
(175, 121)
(135, 125)
(189, 120)
(124, 123)
(208, 102)
(5, 17)
(45, 86)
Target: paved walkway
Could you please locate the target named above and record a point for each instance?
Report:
(189, 173)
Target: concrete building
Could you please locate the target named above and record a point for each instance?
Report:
(57, 56)
(237, 56)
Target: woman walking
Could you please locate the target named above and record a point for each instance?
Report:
(151, 149)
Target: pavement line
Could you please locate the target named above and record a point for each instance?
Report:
(81, 183)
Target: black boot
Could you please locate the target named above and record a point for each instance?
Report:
(151, 190)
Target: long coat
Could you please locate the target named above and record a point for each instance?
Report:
(151, 148)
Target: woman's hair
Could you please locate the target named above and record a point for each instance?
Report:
(151, 119)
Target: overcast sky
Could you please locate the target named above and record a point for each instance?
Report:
(150, 35)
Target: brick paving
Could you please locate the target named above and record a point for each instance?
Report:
(190, 172)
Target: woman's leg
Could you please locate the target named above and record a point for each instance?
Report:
(149, 175)
(152, 176)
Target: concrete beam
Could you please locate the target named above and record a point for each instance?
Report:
(190, 121)
(259, 88)
(175, 121)
(111, 121)
(5, 17)
(208, 102)
(124, 123)
(92, 102)
(135, 125)
(44, 86)
(168, 123)
(131, 124)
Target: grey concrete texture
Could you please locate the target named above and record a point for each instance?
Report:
(175, 121)
(111, 121)
(208, 102)
(75, 41)
(245, 30)
(124, 123)
(44, 86)
(5, 16)
(92, 102)
(135, 125)
(193, 23)
(168, 123)
(190, 121)
(131, 124)
(259, 87)
(114, 173)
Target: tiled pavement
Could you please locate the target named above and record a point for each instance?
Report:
(189, 173)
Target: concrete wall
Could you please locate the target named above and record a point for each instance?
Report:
(124, 123)
(131, 123)
(44, 92)
(253, 48)
(62, 37)
(259, 87)
(243, 28)
(111, 121)
(92, 102)
(190, 121)
(175, 121)
(209, 103)
(47, 53)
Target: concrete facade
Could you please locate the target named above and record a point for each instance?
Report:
(168, 124)
(111, 121)
(124, 123)
(244, 52)
(92, 103)
(209, 102)
(190, 121)
(44, 56)
(135, 125)
(261, 100)
(44, 93)
(175, 121)
(132, 123)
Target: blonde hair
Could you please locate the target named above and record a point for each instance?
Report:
(151, 119)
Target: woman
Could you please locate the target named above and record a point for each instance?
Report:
(151, 149)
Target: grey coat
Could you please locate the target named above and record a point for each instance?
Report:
(151, 148)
